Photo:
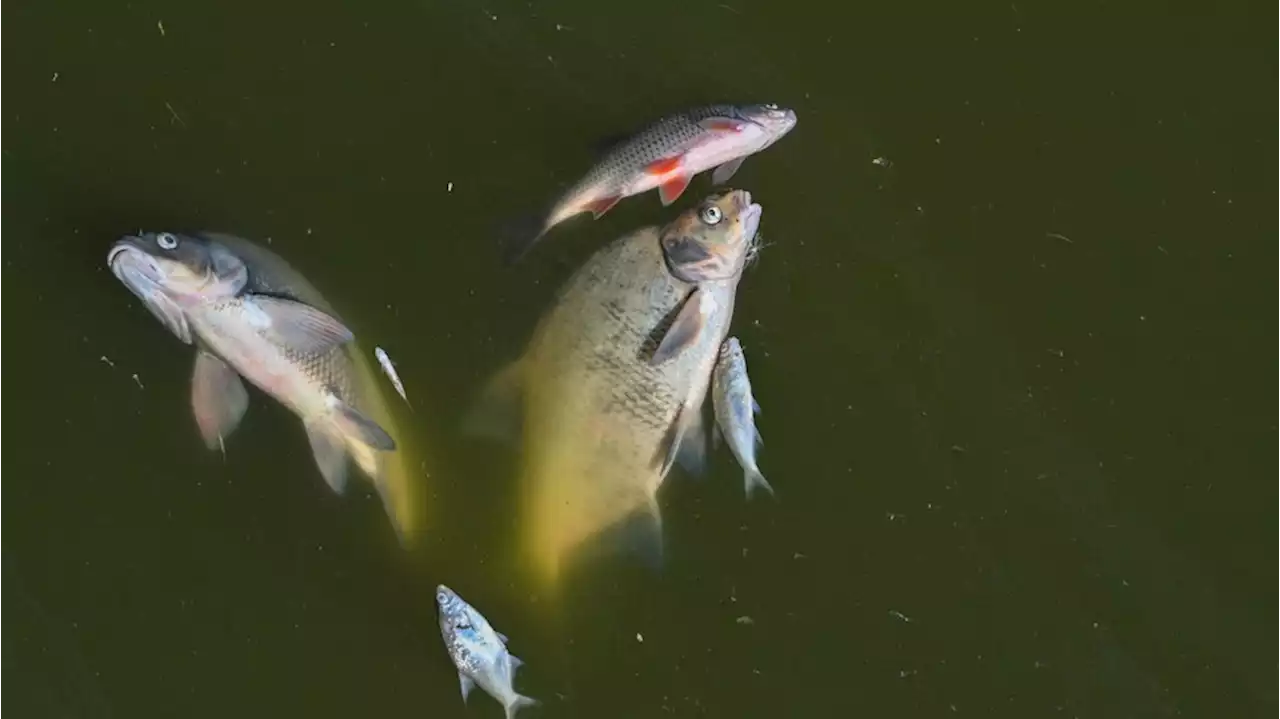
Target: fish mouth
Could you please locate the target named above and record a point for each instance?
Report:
(139, 271)
(751, 220)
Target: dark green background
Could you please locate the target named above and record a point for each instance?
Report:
(1016, 386)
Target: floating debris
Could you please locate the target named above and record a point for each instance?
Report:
(160, 27)
(899, 615)
(882, 162)
(744, 619)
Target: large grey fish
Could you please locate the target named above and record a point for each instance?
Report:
(611, 387)
(736, 410)
(667, 155)
(479, 652)
(250, 315)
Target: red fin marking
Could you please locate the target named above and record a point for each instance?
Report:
(671, 190)
(724, 125)
(664, 166)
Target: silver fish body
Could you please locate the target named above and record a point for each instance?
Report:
(479, 652)
(735, 409)
(389, 369)
(669, 153)
(250, 315)
(612, 383)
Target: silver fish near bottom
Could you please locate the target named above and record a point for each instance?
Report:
(479, 652)
(609, 392)
(249, 315)
(735, 409)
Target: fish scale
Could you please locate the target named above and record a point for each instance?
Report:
(665, 156)
(655, 142)
(598, 415)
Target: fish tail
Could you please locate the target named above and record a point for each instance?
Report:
(755, 480)
(519, 235)
(519, 702)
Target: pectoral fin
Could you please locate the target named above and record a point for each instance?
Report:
(497, 414)
(218, 399)
(721, 124)
(725, 171)
(685, 442)
(686, 329)
(299, 326)
(330, 454)
(467, 684)
(352, 423)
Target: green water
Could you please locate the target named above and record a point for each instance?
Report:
(1016, 378)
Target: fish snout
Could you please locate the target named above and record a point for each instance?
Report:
(750, 218)
(129, 262)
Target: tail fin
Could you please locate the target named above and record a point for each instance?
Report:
(754, 479)
(520, 702)
(518, 236)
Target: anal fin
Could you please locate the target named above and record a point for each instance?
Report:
(602, 205)
(330, 454)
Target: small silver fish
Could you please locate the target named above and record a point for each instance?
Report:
(389, 367)
(667, 154)
(736, 410)
(479, 652)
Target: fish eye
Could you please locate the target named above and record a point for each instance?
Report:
(166, 241)
(711, 215)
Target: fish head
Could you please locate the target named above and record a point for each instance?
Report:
(773, 120)
(731, 350)
(455, 613)
(713, 240)
(467, 633)
(170, 273)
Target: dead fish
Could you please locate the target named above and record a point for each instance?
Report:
(610, 390)
(667, 155)
(250, 315)
(735, 409)
(389, 368)
(479, 652)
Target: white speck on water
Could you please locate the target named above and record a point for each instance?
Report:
(54, 78)
(798, 555)
(160, 27)
(639, 637)
(138, 381)
(107, 359)
(899, 615)
(745, 620)
(449, 187)
(882, 162)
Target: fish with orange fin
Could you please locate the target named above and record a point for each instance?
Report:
(667, 155)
